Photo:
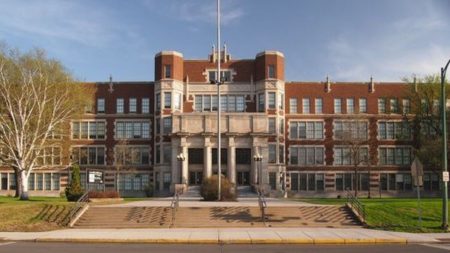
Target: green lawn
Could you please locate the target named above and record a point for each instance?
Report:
(36, 214)
(397, 214)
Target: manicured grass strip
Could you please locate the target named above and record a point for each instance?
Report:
(396, 214)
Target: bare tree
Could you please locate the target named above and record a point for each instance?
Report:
(37, 97)
(354, 140)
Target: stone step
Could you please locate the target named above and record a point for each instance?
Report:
(129, 217)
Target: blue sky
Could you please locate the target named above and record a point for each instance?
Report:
(349, 40)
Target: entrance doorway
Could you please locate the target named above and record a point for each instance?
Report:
(243, 178)
(195, 178)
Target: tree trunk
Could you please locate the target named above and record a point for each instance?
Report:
(356, 182)
(18, 183)
(24, 185)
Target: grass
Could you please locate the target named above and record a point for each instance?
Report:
(36, 214)
(397, 214)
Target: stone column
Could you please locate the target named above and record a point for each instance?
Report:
(231, 161)
(207, 158)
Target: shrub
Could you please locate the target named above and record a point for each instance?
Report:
(148, 190)
(103, 195)
(209, 189)
(74, 190)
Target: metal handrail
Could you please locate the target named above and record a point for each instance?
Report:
(81, 202)
(262, 205)
(174, 206)
(358, 207)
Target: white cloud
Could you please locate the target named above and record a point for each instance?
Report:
(68, 20)
(408, 46)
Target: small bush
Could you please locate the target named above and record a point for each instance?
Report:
(148, 190)
(209, 189)
(103, 195)
(74, 190)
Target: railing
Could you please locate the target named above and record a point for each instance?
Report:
(79, 205)
(174, 206)
(357, 207)
(262, 205)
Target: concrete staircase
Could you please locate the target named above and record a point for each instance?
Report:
(202, 217)
(125, 217)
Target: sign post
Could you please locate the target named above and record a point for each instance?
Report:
(417, 174)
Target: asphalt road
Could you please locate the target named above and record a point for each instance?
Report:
(16, 247)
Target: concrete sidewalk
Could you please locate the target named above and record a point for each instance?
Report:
(227, 236)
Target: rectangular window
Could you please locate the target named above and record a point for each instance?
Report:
(195, 156)
(395, 156)
(337, 106)
(88, 130)
(158, 101)
(133, 105)
(362, 105)
(305, 106)
(100, 105)
(167, 100)
(272, 126)
(293, 130)
(167, 71)
(119, 105)
(306, 155)
(272, 153)
(406, 105)
(167, 125)
(214, 104)
(240, 104)
(306, 130)
(88, 155)
(272, 102)
(145, 105)
(293, 105)
(271, 71)
(231, 103)
(350, 106)
(198, 105)
(243, 155)
(167, 153)
(393, 105)
(281, 154)
(350, 130)
(318, 106)
(133, 155)
(381, 105)
(223, 156)
(261, 103)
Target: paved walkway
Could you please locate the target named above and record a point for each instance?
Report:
(227, 236)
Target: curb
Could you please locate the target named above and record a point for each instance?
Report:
(300, 241)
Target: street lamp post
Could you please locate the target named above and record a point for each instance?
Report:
(218, 82)
(181, 159)
(444, 147)
(258, 160)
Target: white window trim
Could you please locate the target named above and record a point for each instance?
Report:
(307, 146)
(91, 146)
(88, 120)
(346, 120)
(132, 121)
(133, 146)
(304, 120)
(348, 146)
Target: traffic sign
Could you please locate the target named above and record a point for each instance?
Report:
(445, 176)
